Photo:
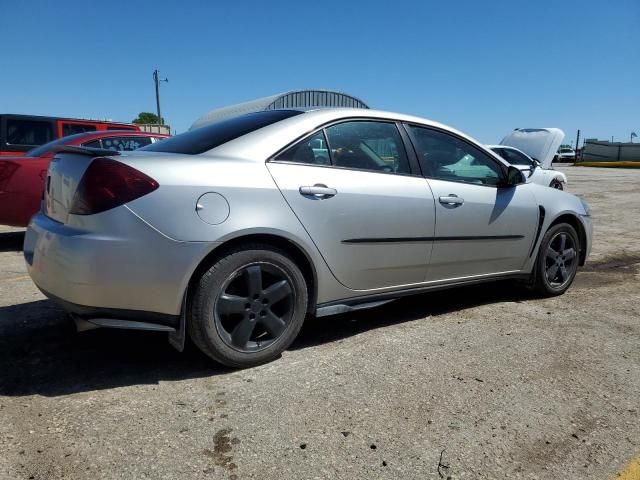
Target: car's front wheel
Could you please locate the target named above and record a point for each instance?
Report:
(557, 184)
(249, 306)
(557, 262)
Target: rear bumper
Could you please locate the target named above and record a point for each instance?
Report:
(83, 312)
(117, 267)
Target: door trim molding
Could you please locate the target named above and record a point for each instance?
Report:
(430, 239)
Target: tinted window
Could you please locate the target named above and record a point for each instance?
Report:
(124, 144)
(42, 149)
(93, 144)
(312, 150)
(513, 157)
(446, 157)
(121, 127)
(211, 136)
(28, 132)
(367, 145)
(73, 128)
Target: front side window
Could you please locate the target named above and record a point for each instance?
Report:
(367, 145)
(73, 128)
(28, 132)
(312, 150)
(446, 157)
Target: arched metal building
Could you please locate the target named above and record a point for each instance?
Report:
(292, 99)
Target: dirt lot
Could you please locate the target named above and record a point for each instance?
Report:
(482, 382)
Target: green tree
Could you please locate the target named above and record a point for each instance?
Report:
(148, 118)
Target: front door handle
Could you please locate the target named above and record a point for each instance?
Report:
(451, 199)
(319, 191)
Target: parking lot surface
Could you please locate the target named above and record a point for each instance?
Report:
(477, 382)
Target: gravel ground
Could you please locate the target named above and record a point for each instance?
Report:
(482, 382)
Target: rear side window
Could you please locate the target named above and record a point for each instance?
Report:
(73, 128)
(368, 145)
(28, 132)
(312, 150)
(211, 136)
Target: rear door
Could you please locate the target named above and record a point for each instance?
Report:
(481, 227)
(370, 216)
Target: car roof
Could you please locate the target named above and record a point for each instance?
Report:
(296, 127)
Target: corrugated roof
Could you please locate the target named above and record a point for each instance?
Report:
(291, 99)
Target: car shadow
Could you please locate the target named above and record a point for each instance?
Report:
(11, 241)
(414, 307)
(41, 353)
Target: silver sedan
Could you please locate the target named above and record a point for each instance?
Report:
(234, 232)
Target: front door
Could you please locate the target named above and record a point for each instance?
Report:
(482, 228)
(370, 217)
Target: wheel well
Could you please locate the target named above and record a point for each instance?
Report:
(297, 254)
(579, 228)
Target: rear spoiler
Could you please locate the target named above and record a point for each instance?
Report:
(91, 152)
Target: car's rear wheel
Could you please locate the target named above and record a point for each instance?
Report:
(557, 184)
(249, 306)
(557, 261)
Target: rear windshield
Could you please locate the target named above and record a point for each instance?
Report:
(211, 136)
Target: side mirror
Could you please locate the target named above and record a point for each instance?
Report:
(514, 177)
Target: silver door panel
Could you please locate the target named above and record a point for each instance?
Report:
(486, 230)
(375, 231)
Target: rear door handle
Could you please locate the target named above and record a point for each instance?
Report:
(318, 190)
(451, 199)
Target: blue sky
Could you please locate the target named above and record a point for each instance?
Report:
(484, 67)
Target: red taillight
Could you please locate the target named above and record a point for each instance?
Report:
(107, 184)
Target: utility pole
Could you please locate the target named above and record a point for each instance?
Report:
(156, 81)
(575, 152)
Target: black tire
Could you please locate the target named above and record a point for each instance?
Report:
(556, 184)
(232, 319)
(556, 265)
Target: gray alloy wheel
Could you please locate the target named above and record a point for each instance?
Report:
(556, 184)
(557, 261)
(249, 306)
(254, 307)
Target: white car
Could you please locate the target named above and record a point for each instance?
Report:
(566, 154)
(532, 150)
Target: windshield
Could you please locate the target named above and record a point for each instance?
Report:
(211, 136)
(42, 149)
(512, 156)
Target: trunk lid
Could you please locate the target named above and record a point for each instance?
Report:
(65, 172)
(539, 143)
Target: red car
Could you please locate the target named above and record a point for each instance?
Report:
(21, 133)
(22, 178)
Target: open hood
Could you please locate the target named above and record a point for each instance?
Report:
(539, 143)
